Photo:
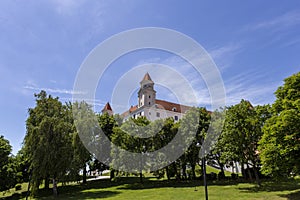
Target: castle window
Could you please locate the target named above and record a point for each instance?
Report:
(149, 103)
(174, 109)
(149, 113)
(176, 118)
(149, 96)
(157, 114)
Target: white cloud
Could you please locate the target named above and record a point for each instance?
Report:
(282, 22)
(52, 90)
(243, 86)
(67, 6)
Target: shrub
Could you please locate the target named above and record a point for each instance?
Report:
(18, 187)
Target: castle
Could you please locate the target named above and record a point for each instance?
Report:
(149, 106)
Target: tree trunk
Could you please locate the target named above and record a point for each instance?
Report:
(168, 173)
(112, 174)
(54, 187)
(249, 173)
(46, 186)
(256, 175)
(243, 170)
(193, 172)
(141, 177)
(84, 174)
(221, 166)
(184, 171)
(176, 171)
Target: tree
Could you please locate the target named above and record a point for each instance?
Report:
(280, 145)
(163, 131)
(241, 133)
(7, 171)
(196, 121)
(84, 122)
(22, 166)
(130, 142)
(48, 141)
(107, 124)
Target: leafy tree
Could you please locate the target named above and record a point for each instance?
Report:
(241, 133)
(163, 131)
(84, 122)
(22, 166)
(216, 153)
(127, 142)
(280, 145)
(48, 140)
(7, 170)
(195, 121)
(107, 124)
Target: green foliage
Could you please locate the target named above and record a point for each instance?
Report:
(7, 168)
(195, 125)
(18, 187)
(241, 133)
(280, 144)
(85, 120)
(48, 139)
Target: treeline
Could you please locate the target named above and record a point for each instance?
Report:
(264, 140)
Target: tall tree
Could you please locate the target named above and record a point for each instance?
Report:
(48, 140)
(196, 120)
(280, 145)
(84, 120)
(241, 133)
(127, 137)
(7, 170)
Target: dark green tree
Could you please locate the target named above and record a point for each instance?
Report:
(85, 121)
(48, 142)
(241, 133)
(7, 168)
(280, 145)
(127, 137)
(194, 123)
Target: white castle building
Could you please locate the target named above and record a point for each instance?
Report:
(149, 106)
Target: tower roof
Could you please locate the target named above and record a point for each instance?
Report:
(107, 107)
(147, 77)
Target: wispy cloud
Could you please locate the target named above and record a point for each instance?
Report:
(244, 86)
(247, 85)
(223, 56)
(53, 90)
(66, 6)
(282, 22)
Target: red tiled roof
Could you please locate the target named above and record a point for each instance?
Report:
(131, 109)
(175, 107)
(107, 107)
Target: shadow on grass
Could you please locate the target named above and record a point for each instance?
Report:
(133, 183)
(84, 195)
(101, 188)
(271, 186)
(291, 196)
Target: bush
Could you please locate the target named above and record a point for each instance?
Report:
(234, 176)
(159, 174)
(213, 176)
(18, 187)
(221, 175)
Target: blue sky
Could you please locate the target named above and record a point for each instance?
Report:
(255, 45)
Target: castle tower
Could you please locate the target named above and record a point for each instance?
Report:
(146, 94)
(107, 109)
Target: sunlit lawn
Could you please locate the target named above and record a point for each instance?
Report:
(129, 188)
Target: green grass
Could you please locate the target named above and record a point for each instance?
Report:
(129, 188)
(210, 169)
